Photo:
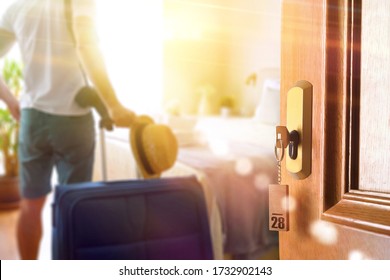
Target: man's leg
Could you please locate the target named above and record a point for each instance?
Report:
(36, 163)
(29, 227)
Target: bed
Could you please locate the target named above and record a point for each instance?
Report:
(236, 160)
(233, 158)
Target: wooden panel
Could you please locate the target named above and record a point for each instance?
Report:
(360, 214)
(331, 220)
(303, 59)
(374, 153)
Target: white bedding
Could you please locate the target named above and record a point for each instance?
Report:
(241, 196)
(236, 158)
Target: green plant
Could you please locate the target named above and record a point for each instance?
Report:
(12, 75)
(9, 143)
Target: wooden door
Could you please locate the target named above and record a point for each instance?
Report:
(342, 210)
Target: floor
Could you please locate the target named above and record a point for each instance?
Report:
(8, 249)
(8, 245)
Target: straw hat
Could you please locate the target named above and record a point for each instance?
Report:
(154, 147)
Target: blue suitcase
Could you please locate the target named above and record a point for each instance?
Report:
(124, 220)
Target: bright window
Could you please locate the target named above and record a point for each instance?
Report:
(131, 40)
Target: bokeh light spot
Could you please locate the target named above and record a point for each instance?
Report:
(244, 166)
(357, 255)
(324, 232)
(262, 181)
(219, 147)
(289, 203)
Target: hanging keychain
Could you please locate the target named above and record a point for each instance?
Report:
(278, 193)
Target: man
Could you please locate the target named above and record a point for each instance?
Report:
(54, 130)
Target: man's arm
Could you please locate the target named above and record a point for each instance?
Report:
(10, 100)
(93, 64)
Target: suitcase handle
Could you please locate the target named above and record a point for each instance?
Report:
(87, 97)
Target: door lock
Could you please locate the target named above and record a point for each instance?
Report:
(297, 133)
(290, 139)
(293, 144)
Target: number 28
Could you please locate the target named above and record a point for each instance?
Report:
(278, 222)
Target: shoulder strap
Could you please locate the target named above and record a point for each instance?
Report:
(68, 18)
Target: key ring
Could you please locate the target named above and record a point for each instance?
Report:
(279, 157)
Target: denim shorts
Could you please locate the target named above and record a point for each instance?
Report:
(47, 141)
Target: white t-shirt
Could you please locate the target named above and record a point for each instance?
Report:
(52, 72)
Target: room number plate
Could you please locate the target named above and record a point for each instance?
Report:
(278, 208)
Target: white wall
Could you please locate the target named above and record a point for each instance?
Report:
(233, 38)
(255, 29)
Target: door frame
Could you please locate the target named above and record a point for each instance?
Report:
(343, 203)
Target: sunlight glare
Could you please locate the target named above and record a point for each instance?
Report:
(130, 35)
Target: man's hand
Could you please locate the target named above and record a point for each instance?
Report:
(122, 116)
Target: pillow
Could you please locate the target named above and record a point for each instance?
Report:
(268, 111)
